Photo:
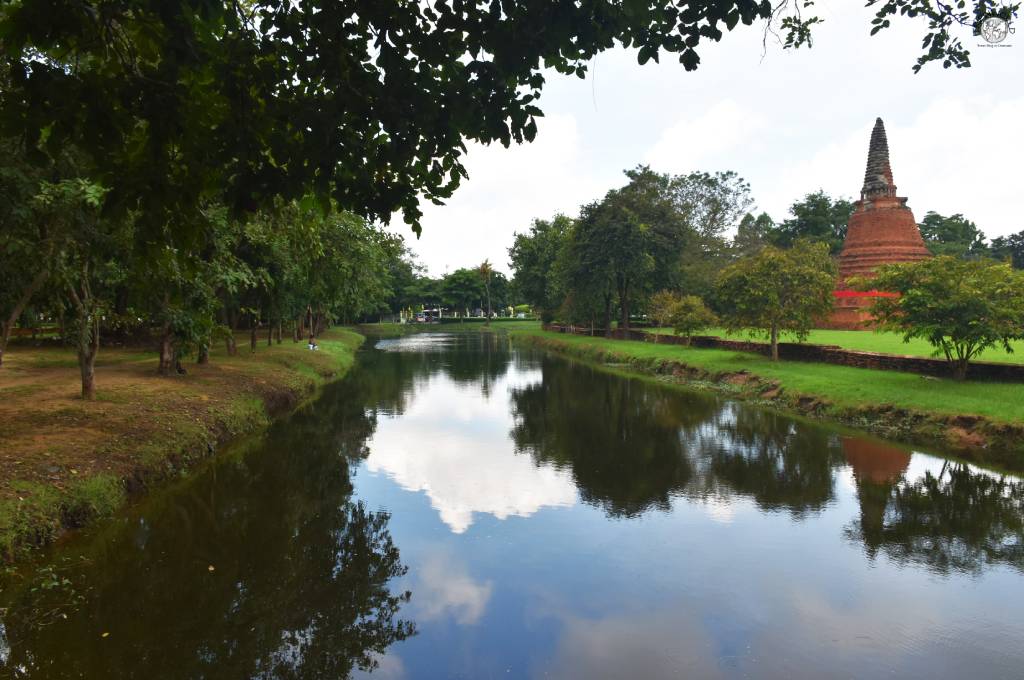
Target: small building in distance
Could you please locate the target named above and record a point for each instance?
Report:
(881, 230)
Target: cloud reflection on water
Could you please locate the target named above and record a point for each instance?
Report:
(454, 447)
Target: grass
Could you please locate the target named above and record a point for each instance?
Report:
(870, 341)
(65, 461)
(842, 386)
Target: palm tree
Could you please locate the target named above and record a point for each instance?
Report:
(485, 270)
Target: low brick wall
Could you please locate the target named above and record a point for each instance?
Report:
(828, 354)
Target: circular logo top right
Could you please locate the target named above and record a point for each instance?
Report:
(994, 30)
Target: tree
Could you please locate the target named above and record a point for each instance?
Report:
(753, 233)
(954, 235)
(778, 290)
(961, 307)
(533, 256)
(501, 293)
(1009, 249)
(691, 315)
(86, 264)
(584, 280)
(366, 104)
(616, 245)
(662, 306)
(486, 271)
(817, 217)
(689, 216)
(462, 289)
(34, 232)
(711, 203)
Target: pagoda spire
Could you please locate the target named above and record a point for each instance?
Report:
(878, 175)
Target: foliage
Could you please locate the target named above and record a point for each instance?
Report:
(954, 235)
(463, 289)
(486, 272)
(533, 256)
(961, 307)
(105, 274)
(1009, 248)
(690, 315)
(662, 306)
(778, 290)
(753, 233)
(938, 44)
(361, 104)
(817, 217)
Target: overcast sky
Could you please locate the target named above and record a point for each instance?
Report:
(790, 122)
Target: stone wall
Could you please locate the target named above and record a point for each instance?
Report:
(828, 354)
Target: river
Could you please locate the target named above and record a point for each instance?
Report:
(458, 507)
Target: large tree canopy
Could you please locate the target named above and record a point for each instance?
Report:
(368, 102)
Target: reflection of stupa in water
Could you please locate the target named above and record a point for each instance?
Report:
(877, 467)
(875, 461)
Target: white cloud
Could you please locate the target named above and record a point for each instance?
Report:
(716, 138)
(506, 190)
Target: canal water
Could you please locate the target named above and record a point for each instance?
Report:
(458, 507)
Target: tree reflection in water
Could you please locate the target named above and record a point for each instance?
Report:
(262, 567)
(961, 519)
(779, 463)
(620, 439)
(632, 445)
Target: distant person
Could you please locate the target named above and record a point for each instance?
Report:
(312, 343)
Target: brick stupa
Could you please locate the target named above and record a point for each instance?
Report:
(881, 230)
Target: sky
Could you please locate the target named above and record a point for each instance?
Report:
(789, 121)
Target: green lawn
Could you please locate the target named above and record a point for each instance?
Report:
(868, 341)
(840, 385)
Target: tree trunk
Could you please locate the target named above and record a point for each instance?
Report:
(624, 304)
(26, 294)
(775, 342)
(88, 344)
(488, 322)
(229, 340)
(166, 365)
(88, 348)
(270, 332)
(960, 369)
(252, 333)
(204, 354)
(279, 324)
(607, 315)
(166, 351)
(297, 329)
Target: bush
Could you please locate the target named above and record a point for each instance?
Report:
(690, 315)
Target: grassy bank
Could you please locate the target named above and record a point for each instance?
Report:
(65, 461)
(980, 419)
(869, 341)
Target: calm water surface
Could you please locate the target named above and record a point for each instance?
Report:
(460, 508)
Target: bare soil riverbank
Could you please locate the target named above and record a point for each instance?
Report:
(65, 461)
(981, 421)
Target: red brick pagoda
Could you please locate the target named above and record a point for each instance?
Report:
(881, 230)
